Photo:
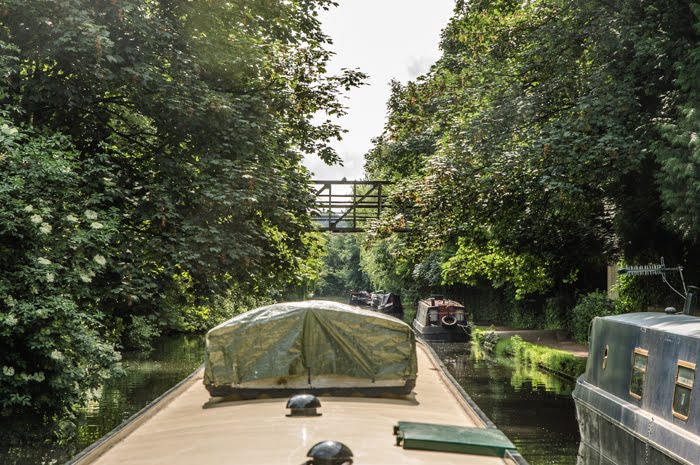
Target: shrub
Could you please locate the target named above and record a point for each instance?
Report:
(53, 347)
(644, 293)
(141, 333)
(588, 307)
(553, 360)
(552, 315)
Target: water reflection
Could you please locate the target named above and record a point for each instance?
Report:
(533, 408)
(26, 441)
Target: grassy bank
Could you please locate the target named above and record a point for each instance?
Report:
(556, 361)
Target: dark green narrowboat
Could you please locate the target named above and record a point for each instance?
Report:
(636, 401)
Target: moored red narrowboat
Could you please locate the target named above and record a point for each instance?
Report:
(441, 319)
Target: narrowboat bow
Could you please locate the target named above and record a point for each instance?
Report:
(440, 319)
(378, 412)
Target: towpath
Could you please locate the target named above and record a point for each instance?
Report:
(553, 338)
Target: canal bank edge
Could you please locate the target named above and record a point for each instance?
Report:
(568, 361)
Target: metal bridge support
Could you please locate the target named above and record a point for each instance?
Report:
(346, 206)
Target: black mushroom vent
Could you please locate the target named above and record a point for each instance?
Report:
(329, 453)
(303, 405)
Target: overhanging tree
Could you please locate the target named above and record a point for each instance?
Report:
(187, 121)
(544, 117)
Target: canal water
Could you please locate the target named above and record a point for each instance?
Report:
(33, 441)
(533, 408)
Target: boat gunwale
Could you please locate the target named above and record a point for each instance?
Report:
(100, 447)
(463, 396)
(636, 411)
(439, 333)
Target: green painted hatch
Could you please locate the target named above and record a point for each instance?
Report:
(448, 438)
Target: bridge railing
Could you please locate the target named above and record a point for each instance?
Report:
(347, 206)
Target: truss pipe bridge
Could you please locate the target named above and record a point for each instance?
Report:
(347, 206)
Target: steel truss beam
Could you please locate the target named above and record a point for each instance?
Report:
(347, 206)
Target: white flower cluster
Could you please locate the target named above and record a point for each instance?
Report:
(8, 371)
(43, 261)
(44, 228)
(56, 354)
(90, 215)
(100, 260)
(87, 276)
(8, 129)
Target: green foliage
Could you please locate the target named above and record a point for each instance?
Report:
(341, 271)
(389, 267)
(193, 116)
(409, 139)
(523, 317)
(590, 306)
(552, 315)
(511, 346)
(523, 272)
(188, 313)
(679, 155)
(227, 306)
(150, 161)
(141, 332)
(429, 272)
(549, 140)
(647, 293)
(53, 245)
(528, 354)
(488, 339)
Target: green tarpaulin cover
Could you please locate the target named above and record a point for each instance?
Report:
(310, 346)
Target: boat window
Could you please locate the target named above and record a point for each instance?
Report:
(639, 369)
(459, 315)
(433, 316)
(605, 356)
(685, 375)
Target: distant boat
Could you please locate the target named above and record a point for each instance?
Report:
(390, 304)
(636, 402)
(298, 350)
(440, 319)
(375, 298)
(360, 298)
(387, 303)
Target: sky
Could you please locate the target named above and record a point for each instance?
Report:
(387, 39)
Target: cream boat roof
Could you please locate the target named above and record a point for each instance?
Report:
(191, 428)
